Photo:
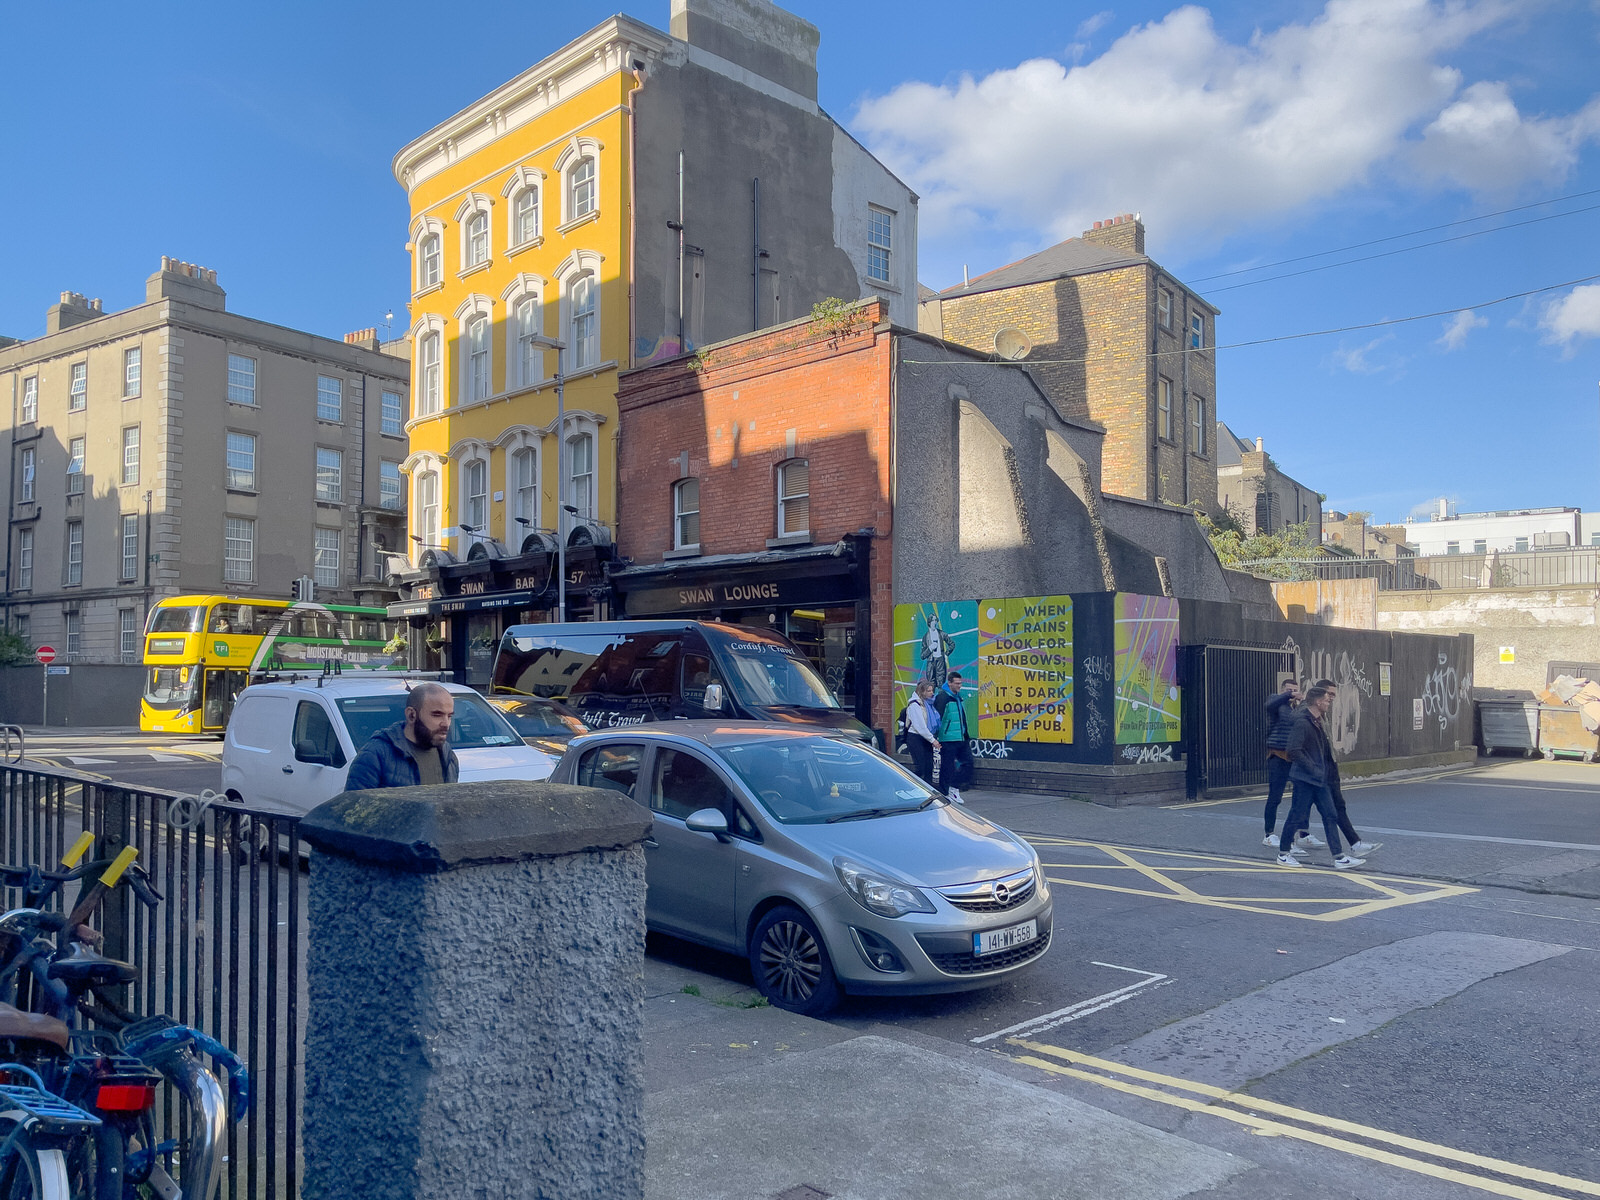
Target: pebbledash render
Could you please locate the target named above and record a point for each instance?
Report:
(174, 447)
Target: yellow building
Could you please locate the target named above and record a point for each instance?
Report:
(633, 195)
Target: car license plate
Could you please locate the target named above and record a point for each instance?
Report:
(995, 940)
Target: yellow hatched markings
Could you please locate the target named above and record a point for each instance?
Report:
(1358, 892)
(1305, 1126)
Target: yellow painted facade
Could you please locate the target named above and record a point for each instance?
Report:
(519, 220)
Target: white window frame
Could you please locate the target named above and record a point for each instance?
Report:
(238, 533)
(391, 413)
(325, 556)
(475, 205)
(881, 241)
(330, 398)
(427, 259)
(132, 370)
(130, 546)
(1164, 307)
(474, 308)
(680, 512)
(428, 390)
(72, 619)
(28, 470)
(330, 475)
(582, 493)
(130, 455)
(391, 489)
(1197, 425)
(241, 380)
(74, 558)
(25, 559)
(524, 495)
(23, 624)
(473, 506)
(525, 361)
(239, 479)
(577, 150)
(78, 388)
(128, 630)
(425, 506)
(786, 496)
(30, 399)
(524, 181)
(75, 451)
(1197, 331)
(578, 265)
(1163, 408)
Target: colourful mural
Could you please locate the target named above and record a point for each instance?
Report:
(930, 641)
(1025, 669)
(1147, 696)
(1015, 655)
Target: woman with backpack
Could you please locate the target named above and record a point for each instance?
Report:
(917, 720)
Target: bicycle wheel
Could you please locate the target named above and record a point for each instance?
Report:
(33, 1173)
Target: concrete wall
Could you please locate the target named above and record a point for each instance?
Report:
(91, 695)
(1538, 625)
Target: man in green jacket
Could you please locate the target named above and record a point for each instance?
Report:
(955, 762)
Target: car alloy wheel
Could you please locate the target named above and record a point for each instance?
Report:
(791, 965)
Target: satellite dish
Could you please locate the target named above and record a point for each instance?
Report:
(1012, 344)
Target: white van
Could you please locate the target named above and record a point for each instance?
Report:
(289, 745)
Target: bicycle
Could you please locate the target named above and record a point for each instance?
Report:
(114, 1069)
(40, 1130)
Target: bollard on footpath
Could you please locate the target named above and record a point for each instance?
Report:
(475, 994)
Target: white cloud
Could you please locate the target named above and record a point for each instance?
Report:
(1573, 317)
(1093, 25)
(1354, 358)
(1205, 136)
(1456, 330)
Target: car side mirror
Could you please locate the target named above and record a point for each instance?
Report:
(713, 700)
(708, 820)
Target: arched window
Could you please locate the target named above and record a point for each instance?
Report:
(475, 499)
(430, 261)
(478, 358)
(525, 215)
(430, 374)
(426, 493)
(580, 475)
(686, 514)
(477, 239)
(524, 492)
(530, 355)
(581, 188)
(794, 498)
(584, 340)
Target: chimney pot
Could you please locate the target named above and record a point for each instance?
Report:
(1259, 446)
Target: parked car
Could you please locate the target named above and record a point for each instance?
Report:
(663, 669)
(545, 724)
(290, 743)
(824, 862)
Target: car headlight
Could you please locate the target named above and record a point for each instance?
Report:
(880, 893)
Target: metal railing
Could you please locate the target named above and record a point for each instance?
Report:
(1577, 566)
(223, 951)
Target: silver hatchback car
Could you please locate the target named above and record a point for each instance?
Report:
(825, 863)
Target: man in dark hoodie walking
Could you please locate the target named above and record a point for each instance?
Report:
(1281, 709)
(1311, 771)
(413, 751)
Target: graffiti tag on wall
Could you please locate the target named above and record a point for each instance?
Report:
(1444, 692)
(1350, 679)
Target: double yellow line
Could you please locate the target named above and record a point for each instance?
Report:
(1280, 1120)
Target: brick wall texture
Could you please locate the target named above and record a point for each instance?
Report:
(1101, 351)
(731, 414)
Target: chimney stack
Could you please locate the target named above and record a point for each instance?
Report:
(73, 309)
(1124, 232)
(178, 280)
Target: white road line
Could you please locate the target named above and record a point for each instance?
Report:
(1480, 837)
(1082, 1008)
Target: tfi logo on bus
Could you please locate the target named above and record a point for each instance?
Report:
(220, 649)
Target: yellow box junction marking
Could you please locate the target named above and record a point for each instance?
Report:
(1304, 1126)
(1307, 893)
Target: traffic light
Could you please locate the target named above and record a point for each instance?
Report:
(304, 588)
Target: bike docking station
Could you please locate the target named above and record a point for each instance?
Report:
(475, 993)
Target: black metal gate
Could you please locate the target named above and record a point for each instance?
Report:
(223, 952)
(1225, 724)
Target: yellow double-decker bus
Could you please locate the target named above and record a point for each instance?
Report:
(201, 651)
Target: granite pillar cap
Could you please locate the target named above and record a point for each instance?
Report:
(442, 827)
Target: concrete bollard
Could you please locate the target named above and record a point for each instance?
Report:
(475, 994)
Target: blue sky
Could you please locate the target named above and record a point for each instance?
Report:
(258, 140)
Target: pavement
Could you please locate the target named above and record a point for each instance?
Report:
(748, 1102)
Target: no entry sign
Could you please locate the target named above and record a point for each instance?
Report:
(45, 655)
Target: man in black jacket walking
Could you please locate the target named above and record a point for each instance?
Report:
(1310, 770)
(1281, 710)
(413, 751)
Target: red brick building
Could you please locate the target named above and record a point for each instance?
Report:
(754, 484)
(1117, 340)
